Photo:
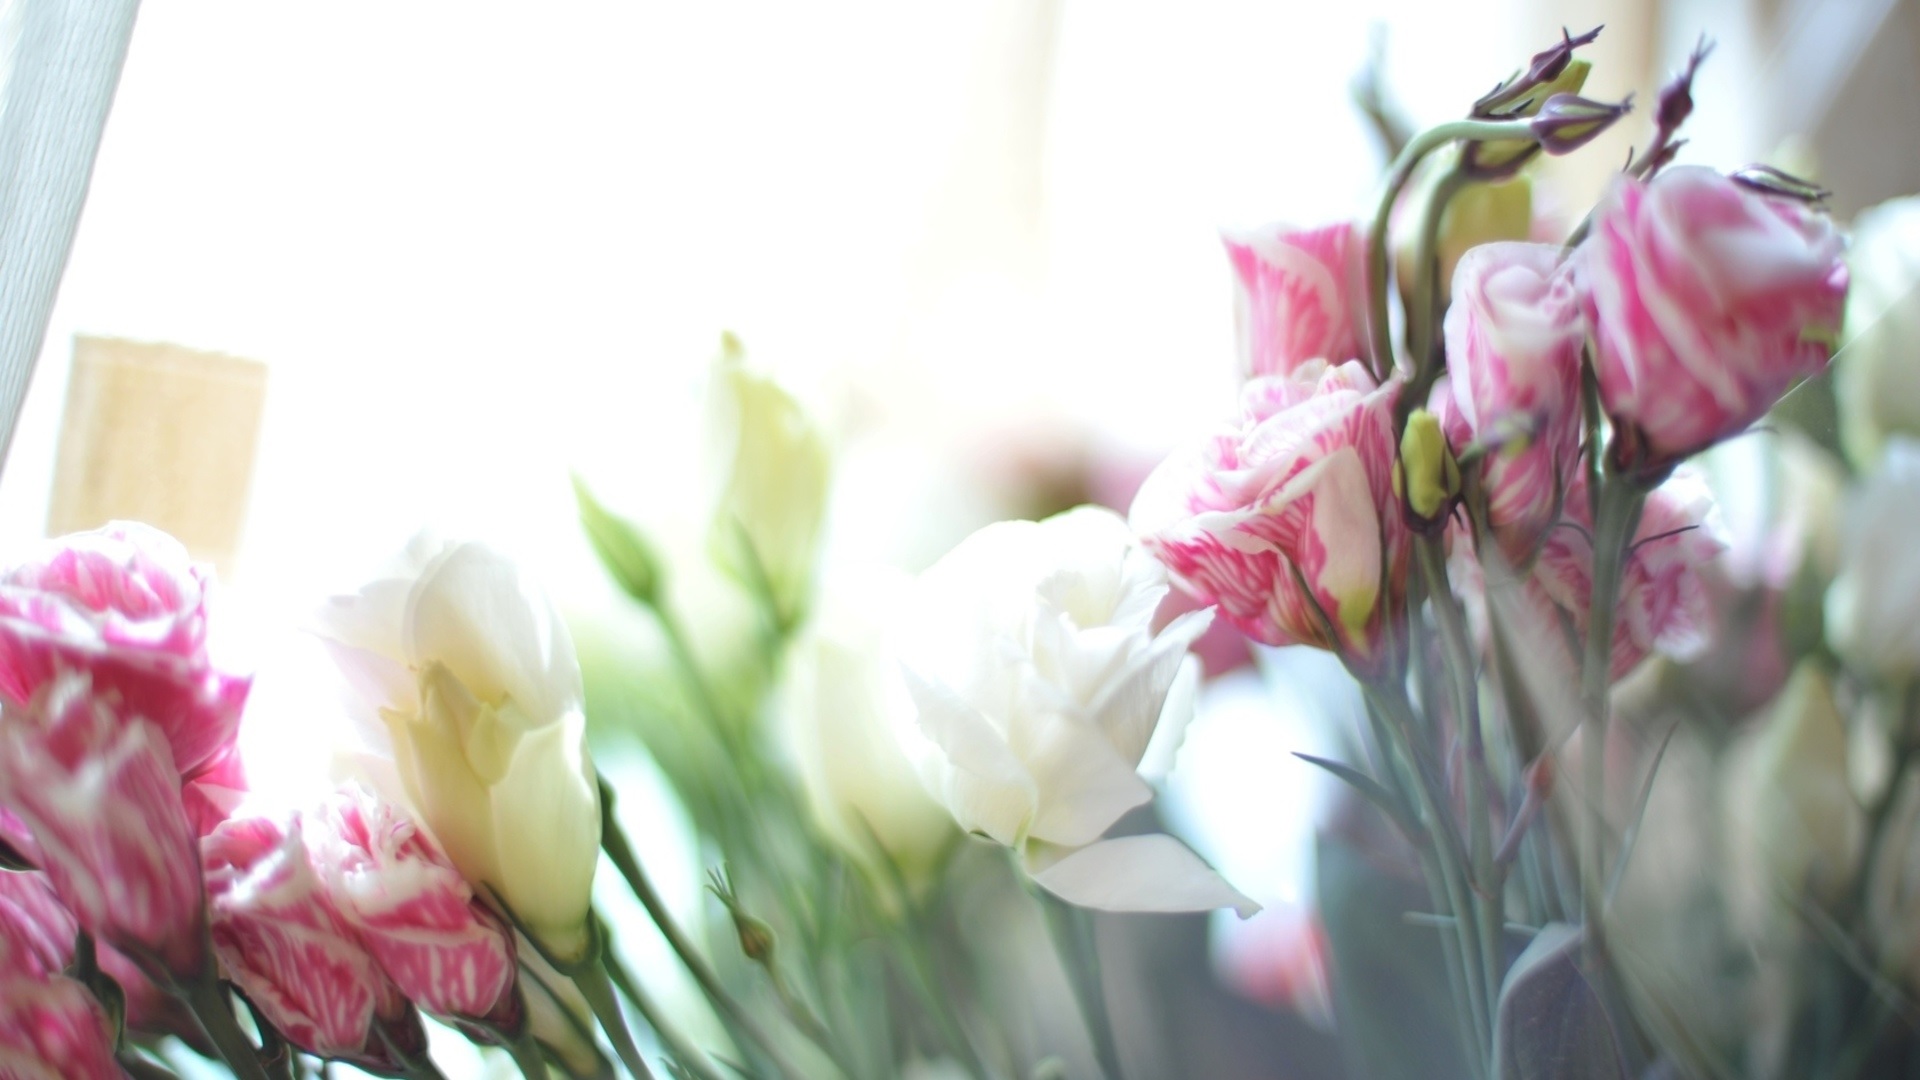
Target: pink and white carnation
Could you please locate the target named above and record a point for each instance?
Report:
(1513, 337)
(1299, 295)
(1288, 520)
(412, 910)
(51, 1028)
(280, 940)
(1707, 300)
(125, 605)
(98, 789)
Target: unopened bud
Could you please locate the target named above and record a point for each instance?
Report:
(1482, 214)
(1534, 85)
(1427, 478)
(1568, 122)
(1771, 181)
(756, 937)
(625, 553)
(1676, 98)
(1503, 158)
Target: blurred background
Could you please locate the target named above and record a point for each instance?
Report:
(447, 254)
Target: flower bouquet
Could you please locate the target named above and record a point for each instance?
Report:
(1625, 789)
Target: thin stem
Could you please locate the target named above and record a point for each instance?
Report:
(614, 841)
(1615, 517)
(926, 983)
(678, 1046)
(1403, 166)
(1489, 879)
(1424, 298)
(525, 1051)
(1391, 698)
(210, 1006)
(594, 986)
(1072, 930)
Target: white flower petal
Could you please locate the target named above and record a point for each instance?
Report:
(1154, 872)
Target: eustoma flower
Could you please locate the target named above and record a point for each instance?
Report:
(413, 911)
(1663, 605)
(281, 941)
(1513, 337)
(1707, 301)
(36, 932)
(475, 676)
(124, 604)
(1299, 295)
(51, 1028)
(1288, 520)
(1031, 658)
(98, 789)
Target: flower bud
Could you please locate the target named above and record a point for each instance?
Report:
(1299, 295)
(626, 554)
(1546, 75)
(1877, 375)
(1483, 214)
(771, 467)
(52, 1027)
(101, 795)
(1502, 159)
(1426, 477)
(1676, 98)
(1871, 603)
(1806, 822)
(1768, 180)
(1568, 122)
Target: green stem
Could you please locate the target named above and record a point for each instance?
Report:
(1616, 515)
(1424, 299)
(1456, 643)
(1403, 166)
(677, 1045)
(1073, 939)
(1391, 698)
(593, 984)
(614, 841)
(525, 1051)
(210, 1006)
(933, 999)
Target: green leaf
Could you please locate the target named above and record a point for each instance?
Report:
(1373, 791)
(622, 549)
(1553, 1023)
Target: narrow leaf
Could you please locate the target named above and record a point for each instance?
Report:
(1370, 789)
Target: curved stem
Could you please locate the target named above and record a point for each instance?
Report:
(1423, 144)
(1073, 938)
(210, 1006)
(593, 984)
(614, 841)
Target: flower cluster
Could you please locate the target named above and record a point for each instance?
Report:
(149, 882)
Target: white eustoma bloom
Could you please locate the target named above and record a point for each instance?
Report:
(843, 700)
(1038, 680)
(1877, 373)
(1872, 601)
(473, 674)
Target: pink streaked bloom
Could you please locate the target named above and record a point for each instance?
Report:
(52, 1029)
(1288, 520)
(1299, 295)
(101, 796)
(37, 932)
(1513, 336)
(1664, 606)
(124, 604)
(216, 793)
(1707, 300)
(280, 941)
(413, 910)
